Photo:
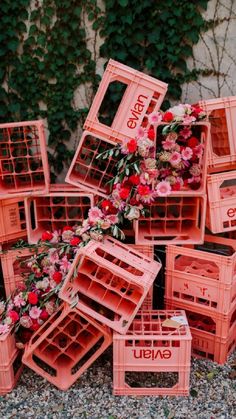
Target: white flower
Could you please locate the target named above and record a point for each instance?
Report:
(178, 110)
(133, 213)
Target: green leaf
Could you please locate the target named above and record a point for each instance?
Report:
(123, 3)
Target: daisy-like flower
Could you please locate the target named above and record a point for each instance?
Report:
(154, 118)
(19, 300)
(187, 153)
(185, 132)
(4, 328)
(168, 144)
(35, 312)
(175, 158)
(163, 188)
(53, 255)
(64, 264)
(112, 218)
(198, 150)
(141, 134)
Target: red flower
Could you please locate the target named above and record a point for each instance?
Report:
(124, 193)
(133, 201)
(108, 207)
(143, 190)
(57, 277)
(151, 134)
(192, 142)
(196, 111)
(176, 186)
(14, 316)
(168, 117)
(35, 326)
(75, 241)
(134, 179)
(47, 236)
(44, 314)
(67, 228)
(132, 146)
(32, 298)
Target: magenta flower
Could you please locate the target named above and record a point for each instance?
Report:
(155, 118)
(175, 158)
(35, 312)
(141, 133)
(163, 188)
(187, 153)
(185, 132)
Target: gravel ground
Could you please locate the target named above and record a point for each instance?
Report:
(213, 396)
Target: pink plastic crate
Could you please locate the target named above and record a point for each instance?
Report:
(150, 347)
(7, 348)
(109, 279)
(222, 114)
(65, 346)
(23, 159)
(14, 267)
(12, 219)
(221, 208)
(9, 374)
(214, 336)
(204, 275)
(54, 211)
(148, 251)
(88, 172)
(173, 219)
(143, 95)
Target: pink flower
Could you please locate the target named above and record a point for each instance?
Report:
(25, 321)
(105, 224)
(112, 218)
(67, 236)
(155, 118)
(53, 255)
(4, 328)
(188, 119)
(185, 132)
(55, 237)
(50, 307)
(175, 158)
(187, 153)
(2, 307)
(141, 133)
(95, 214)
(64, 264)
(168, 144)
(35, 312)
(19, 300)
(163, 188)
(198, 150)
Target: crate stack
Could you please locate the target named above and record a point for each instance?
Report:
(107, 295)
(202, 279)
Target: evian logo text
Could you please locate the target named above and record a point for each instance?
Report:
(136, 111)
(231, 212)
(152, 354)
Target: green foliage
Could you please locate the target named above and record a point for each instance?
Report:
(44, 58)
(154, 36)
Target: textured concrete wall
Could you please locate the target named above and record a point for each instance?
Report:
(215, 54)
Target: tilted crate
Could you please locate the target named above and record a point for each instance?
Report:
(222, 151)
(173, 219)
(55, 210)
(12, 219)
(65, 346)
(221, 208)
(214, 334)
(204, 275)
(23, 159)
(87, 171)
(110, 281)
(150, 347)
(142, 96)
(14, 267)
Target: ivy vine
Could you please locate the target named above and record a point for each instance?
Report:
(44, 56)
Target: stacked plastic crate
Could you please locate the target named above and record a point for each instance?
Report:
(202, 279)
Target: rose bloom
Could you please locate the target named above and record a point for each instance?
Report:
(75, 241)
(67, 228)
(132, 146)
(195, 170)
(35, 312)
(151, 134)
(32, 298)
(124, 193)
(143, 190)
(94, 215)
(47, 236)
(14, 316)
(50, 307)
(67, 236)
(154, 118)
(163, 188)
(175, 158)
(25, 321)
(178, 110)
(187, 153)
(112, 218)
(96, 236)
(168, 117)
(150, 163)
(134, 179)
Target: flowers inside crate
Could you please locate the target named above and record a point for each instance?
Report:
(23, 158)
(109, 281)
